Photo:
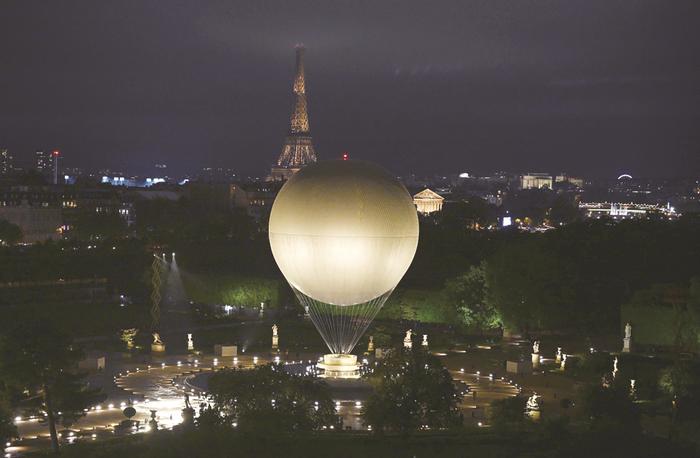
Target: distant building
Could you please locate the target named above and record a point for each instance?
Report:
(51, 212)
(536, 181)
(428, 201)
(564, 178)
(42, 162)
(618, 211)
(7, 165)
(255, 198)
(217, 175)
(37, 223)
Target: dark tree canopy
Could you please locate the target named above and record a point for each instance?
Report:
(610, 408)
(267, 398)
(41, 360)
(412, 390)
(9, 233)
(8, 430)
(467, 293)
(508, 413)
(578, 276)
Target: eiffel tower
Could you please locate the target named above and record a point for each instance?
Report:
(298, 149)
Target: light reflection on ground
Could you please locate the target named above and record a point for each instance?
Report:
(162, 387)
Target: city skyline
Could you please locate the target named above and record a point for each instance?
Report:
(591, 88)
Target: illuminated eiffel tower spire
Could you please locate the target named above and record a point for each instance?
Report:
(298, 149)
(300, 117)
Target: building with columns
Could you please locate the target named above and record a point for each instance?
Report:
(428, 201)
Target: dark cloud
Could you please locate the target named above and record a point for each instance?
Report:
(589, 86)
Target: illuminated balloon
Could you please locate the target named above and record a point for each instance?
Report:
(343, 233)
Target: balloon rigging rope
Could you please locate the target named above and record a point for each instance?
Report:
(341, 327)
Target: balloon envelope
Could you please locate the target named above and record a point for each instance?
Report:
(343, 232)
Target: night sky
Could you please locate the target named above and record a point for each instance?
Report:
(589, 87)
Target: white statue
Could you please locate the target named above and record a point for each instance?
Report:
(370, 345)
(190, 342)
(533, 402)
(408, 340)
(128, 335)
(536, 346)
(275, 338)
(615, 366)
(627, 341)
(558, 356)
(156, 339)
(425, 340)
(563, 361)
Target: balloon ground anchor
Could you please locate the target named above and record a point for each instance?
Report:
(339, 366)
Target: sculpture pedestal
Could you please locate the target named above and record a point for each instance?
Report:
(188, 416)
(535, 360)
(225, 350)
(339, 366)
(627, 345)
(519, 367)
(157, 348)
(275, 343)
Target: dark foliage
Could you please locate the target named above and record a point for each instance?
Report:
(413, 391)
(267, 399)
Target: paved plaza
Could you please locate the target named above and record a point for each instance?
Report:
(161, 386)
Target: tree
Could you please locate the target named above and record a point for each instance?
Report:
(564, 210)
(467, 214)
(666, 314)
(8, 430)
(267, 398)
(41, 360)
(412, 389)
(610, 408)
(509, 412)
(530, 288)
(91, 225)
(9, 233)
(530, 205)
(468, 294)
(681, 383)
(204, 214)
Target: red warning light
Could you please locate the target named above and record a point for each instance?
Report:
(56, 153)
(345, 156)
